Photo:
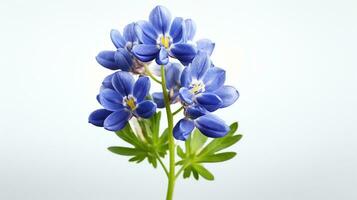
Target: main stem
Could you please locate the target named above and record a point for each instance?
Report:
(171, 176)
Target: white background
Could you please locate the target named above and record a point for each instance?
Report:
(294, 63)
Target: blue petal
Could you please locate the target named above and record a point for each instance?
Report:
(163, 57)
(212, 126)
(160, 18)
(195, 111)
(106, 59)
(123, 83)
(190, 28)
(186, 96)
(117, 39)
(173, 74)
(141, 88)
(177, 30)
(145, 109)
(158, 98)
(214, 78)
(200, 65)
(146, 32)
(129, 33)
(210, 101)
(186, 77)
(123, 59)
(97, 117)
(117, 120)
(205, 45)
(145, 52)
(183, 52)
(183, 129)
(111, 99)
(107, 82)
(228, 94)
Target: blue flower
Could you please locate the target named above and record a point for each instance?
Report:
(122, 58)
(208, 124)
(172, 75)
(202, 84)
(122, 98)
(162, 37)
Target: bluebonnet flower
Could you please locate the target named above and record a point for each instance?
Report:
(122, 98)
(172, 75)
(205, 45)
(162, 38)
(122, 58)
(203, 91)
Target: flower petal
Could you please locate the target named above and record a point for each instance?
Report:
(199, 66)
(123, 59)
(111, 99)
(190, 28)
(183, 129)
(186, 96)
(107, 82)
(228, 94)
(186, 77)
(212, 126)
(195, 111)
(141, 88)
(172, 75)
(158, 98)
(205, 45)
(177, 30)
(163, 57)
(210, 101)
(97, 117)
(106, 59)
(214, 78)
(117, 39)
(183, 52)
(123, 83)
(117, 120)
(160, 18)
(129, 33)
(146, 32)
(145, 109)
(145, 52)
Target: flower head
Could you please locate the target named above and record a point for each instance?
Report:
(202, 84)
(122, 58)
(122, 98)
(162, 37)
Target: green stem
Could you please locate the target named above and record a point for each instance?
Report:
(177, 111)
(171, 184)
(148, 72)
(162, 164)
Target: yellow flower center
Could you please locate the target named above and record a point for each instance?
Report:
(165, 41)
(197, 87)
(131, 103)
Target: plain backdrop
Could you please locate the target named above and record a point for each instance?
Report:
(294, 63)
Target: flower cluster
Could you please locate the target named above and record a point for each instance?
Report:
(194, 81)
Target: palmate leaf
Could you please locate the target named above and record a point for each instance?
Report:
(198, 153)
(146, 143)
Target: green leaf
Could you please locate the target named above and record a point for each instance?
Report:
(187, 172)
(219, 157)
(197, 141)
(204, 172)
(198, 152)
(146, 143)
(180, 152)
(125, 151)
